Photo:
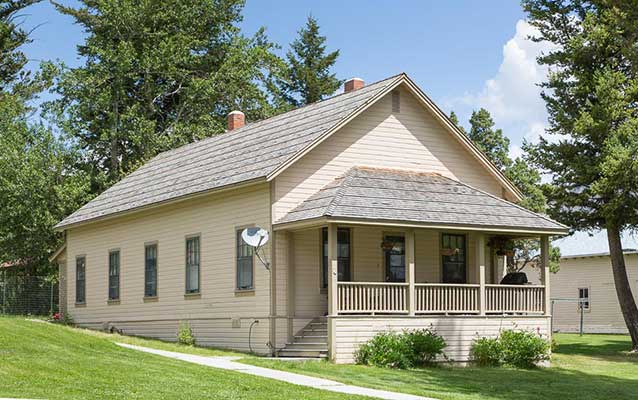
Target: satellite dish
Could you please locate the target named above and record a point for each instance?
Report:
(255, 237)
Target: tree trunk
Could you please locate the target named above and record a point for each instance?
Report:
(623, 290)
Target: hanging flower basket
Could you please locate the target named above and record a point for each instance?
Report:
(387, 245)
(450, 252)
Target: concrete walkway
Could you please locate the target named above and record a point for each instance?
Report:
(230, 364)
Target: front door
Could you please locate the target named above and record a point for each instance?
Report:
(394, 258)
(453, 258)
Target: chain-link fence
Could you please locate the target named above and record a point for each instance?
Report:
(28, 295)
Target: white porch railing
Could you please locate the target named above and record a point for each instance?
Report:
(446, 298)
(370, 297)
(514, 298)
(438, 298)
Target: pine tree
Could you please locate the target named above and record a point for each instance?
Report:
(491, 141)
(309, 78)
(455, 120)
(159, 74)
(495, 145)
(592, 100)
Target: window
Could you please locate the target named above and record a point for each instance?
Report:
(394, 258)
(244, 263)
(583, 297)
(192, 264)
(453, 253)
(343, 256)
(114, 275)
(150, 270)
(80, 280)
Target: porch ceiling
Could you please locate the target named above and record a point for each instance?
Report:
(411, 197)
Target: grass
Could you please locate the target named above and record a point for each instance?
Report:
(56, 362)
(588, 367)
(40, 361)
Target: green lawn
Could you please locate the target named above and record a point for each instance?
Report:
(588, 367)
(49, 361)
(44, 361)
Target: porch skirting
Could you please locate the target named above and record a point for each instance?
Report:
(349, 332)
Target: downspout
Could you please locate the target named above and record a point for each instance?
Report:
(272, 273)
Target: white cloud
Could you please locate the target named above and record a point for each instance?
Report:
(512, 96)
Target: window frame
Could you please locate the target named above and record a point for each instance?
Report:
(118, 275)
(588, 306)
(325, 269)
(77, 281)
(146, 246)
(236, 247)
(465, 237)
(193, 292)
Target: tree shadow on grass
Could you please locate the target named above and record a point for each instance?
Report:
(505, 383)
(603, 347)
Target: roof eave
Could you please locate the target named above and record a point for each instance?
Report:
(309, 223)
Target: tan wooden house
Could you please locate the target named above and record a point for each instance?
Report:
(380, 212)
(589, 277)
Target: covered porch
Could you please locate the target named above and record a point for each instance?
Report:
(381, 250)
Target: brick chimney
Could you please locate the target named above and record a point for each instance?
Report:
(235, 119)
(353, 84)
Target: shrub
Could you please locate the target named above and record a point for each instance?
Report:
(401, 350)
(425, 345)
(61, 318)
(185, 334)
(386, 349)
(487, 352)
(521, 349)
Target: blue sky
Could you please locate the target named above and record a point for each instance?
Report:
(464, 54)
(451, 49)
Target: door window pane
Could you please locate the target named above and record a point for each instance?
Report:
(343, 256)
(454, 258)
(395, 258)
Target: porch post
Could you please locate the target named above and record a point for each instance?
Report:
(333, 276)
(409, 248)
(480, 263)
(545, 272)
(291, 284)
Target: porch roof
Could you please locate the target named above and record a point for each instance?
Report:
(413, 197)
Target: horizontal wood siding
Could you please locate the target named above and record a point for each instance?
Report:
(215, 219)
(459, 332)
(310, 300)
(409, 139)
(595, 273)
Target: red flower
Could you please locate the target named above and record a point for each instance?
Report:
(56, 316)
